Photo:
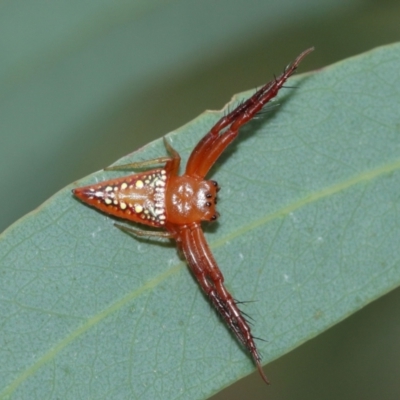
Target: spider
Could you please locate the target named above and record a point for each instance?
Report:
(179, 203)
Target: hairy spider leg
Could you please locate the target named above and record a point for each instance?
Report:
(208, 150)
(206, 271)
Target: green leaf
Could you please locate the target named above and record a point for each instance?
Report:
(81, 81)
(309, 229)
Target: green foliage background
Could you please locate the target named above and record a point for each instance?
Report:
(83, 84)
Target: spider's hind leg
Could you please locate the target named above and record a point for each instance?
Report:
(172, 161)
(142, 232)
(139, 164)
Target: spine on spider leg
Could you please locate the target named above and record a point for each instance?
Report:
(209, 277)
(266, 93)
(233, 316)
(255, 103)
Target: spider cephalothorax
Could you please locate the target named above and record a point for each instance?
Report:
(189, 198)
(163, 199)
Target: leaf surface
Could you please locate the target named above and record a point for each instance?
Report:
(309, 229)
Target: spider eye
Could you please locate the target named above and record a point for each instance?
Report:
(215, 183)
(214, 217)
(208, 204)
(208, 195)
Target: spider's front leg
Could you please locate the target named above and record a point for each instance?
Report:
(205, 269)
(208, 150)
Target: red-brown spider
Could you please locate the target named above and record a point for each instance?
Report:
(163, 199)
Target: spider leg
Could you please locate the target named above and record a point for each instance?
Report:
(139, 164)
(211, 280)
(143, 232)
(171, 163)
(208, 150)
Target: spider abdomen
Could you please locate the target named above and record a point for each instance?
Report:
(136, 197)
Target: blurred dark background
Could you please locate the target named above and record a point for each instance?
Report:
(84, 83)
